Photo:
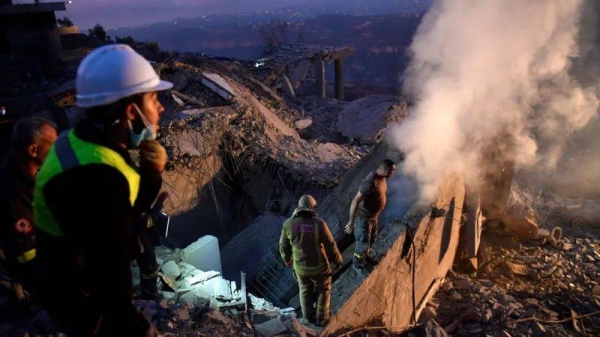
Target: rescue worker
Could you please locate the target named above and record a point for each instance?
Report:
(89, 193)
(306, 244)
(367, 205)
(30, 141)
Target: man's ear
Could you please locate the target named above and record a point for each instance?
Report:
(32, 150)
(130, 111)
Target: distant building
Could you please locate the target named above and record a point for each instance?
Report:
(29, 31)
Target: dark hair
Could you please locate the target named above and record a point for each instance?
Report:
(108, 114)
(386, 165)
(28, 131)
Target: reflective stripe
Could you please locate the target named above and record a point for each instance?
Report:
(65, 153)
(27, 256)
(322, 308)
(358, 256)
(317, 242)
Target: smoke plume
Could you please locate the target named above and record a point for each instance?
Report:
(493, 75)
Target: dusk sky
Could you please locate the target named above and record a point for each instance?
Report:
(126, 13)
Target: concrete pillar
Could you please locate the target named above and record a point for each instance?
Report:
(339, 79)
(320, 78)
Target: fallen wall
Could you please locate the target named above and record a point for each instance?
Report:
(385, 297)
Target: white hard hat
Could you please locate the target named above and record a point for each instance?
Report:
(113, 72)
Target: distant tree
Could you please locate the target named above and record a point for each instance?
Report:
(65, 22)
(153, 47)
(98, 32)
(274, 35)
(126, 40)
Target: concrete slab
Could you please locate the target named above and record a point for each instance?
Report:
(171, 269)
(204, 254)
(219, 85)
(275, 120)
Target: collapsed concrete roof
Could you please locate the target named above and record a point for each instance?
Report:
(252, 123)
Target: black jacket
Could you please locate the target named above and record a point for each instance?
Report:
(91, 205)
(17, 230)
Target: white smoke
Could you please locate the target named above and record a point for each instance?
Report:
(492, 72)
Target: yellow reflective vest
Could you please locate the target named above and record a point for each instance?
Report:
(71, 151)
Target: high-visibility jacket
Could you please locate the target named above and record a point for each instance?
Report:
(70, 151)
(307, 241)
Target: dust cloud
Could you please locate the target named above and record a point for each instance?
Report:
(495, 75)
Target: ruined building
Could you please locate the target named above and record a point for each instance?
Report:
(29, 32)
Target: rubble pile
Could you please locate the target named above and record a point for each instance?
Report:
(195, 302)
(544, 285)
(203, 303)
(256, 125)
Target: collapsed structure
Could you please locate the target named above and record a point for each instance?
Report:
(244, 142)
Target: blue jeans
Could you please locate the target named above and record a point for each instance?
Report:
(365, 233)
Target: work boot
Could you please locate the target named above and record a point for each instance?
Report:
(360, 270)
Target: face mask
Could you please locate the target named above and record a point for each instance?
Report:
(148, 133)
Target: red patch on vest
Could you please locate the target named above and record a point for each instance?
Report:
(23, 226)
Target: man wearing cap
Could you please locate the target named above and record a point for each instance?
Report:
(306, 244)
(88, 194)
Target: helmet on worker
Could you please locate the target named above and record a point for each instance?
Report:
(307, 202)
(114, 72)
(116, 84)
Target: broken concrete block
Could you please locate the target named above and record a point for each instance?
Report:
(303, 123)
(219, 85)
(271, 327)
(193, 297)
(521, 224)
(171, 269)
(204, 254)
